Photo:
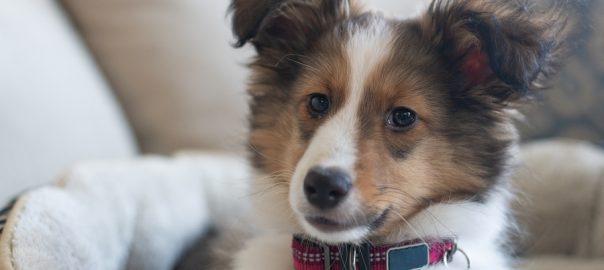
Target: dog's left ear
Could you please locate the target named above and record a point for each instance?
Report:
(503, 49)
(285, 25)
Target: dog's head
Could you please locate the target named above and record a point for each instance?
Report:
(359, 121)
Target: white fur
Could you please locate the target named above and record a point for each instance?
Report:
(478, 227)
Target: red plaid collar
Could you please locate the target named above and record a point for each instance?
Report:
(408, 255)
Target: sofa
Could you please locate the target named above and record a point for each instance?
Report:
(118, 82)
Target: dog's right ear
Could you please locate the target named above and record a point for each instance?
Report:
(287, 25)
(503, 49)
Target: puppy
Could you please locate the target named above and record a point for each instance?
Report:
(382, 143)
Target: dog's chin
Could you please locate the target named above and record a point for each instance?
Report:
(352, 235)
(336, 232)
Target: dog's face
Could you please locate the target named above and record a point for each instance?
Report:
(359, 122)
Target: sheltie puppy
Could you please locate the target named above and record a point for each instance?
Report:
(382, 143)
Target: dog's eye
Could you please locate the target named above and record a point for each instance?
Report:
(318, 104)
(401, 118)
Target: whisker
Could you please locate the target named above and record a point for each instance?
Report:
(263, 191)
(288, 57)
(411, 227)
(255, 150)
(429, 213)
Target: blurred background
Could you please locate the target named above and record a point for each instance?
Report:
(90, 79)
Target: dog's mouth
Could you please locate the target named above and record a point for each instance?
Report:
(328, 225)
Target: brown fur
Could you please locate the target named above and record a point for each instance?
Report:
(459, 148)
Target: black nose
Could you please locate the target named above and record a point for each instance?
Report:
(326, 187)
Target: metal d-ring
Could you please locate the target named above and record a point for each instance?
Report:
(446, 261)
(466, 256)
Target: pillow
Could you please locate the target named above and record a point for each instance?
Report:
(55, 107)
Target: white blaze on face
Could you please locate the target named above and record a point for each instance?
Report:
(335, 143)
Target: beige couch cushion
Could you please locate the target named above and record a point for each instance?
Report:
(561, 263)
(172, 65)
(55, 108)
(560, 205)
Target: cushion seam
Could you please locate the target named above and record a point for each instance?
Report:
(6, 237)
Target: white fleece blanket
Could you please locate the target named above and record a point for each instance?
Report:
(119, 215)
